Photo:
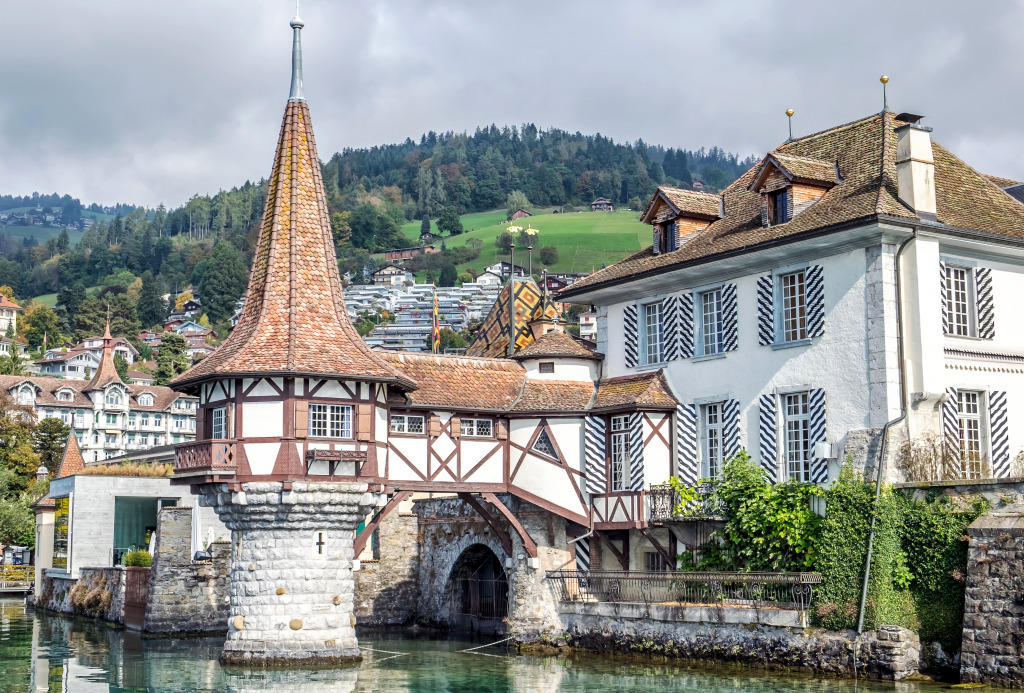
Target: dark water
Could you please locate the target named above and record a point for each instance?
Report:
(41, 652)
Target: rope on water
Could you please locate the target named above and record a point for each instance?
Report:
(480, 647)
(389, 652)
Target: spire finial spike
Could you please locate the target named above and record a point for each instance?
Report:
(789, 115)
(884, 79)
(296, 93)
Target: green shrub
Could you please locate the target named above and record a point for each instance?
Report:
(138, 559)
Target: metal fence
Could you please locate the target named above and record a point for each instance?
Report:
(667, 504)
(16, 578)
(779, 590)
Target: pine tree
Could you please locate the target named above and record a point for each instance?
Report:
(151, 308)
(425, 225)
(223, 281)
(172, 359)
(121, 366)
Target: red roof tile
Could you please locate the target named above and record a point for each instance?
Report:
(71, 462)
(642, 390)
(8, 303)
(557, 344)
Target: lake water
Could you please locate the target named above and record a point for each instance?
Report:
(41, 652)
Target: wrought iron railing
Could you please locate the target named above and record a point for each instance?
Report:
(665, 503)
(212, 455)
(779, 590)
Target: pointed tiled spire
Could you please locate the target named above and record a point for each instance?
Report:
(106, 372)
(294, 320)
(71, 461)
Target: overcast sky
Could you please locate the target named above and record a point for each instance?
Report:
(153, 101)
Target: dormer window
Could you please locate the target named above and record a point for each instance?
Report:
(778, 206)
(26, 396)
(64, 396)
(114, 398)
(146, 400)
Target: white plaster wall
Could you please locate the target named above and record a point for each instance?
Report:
(547, 481)
(415, 450)
(657, 455)
(577, 370)
(491, 471)
(568, 433)
(262, 419)
(262, 456)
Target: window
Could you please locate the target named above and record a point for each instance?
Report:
(145, 419)
(157, 420)
(476, 427)
(64, 396)
(111, 419)
(794, 307)
(959, 287)
(110, 439)
(79, 419)
(26, 396)
(620, 453)
(650, 350)
(330, 421)
(218, 421)
(710, 306)
(66, 417)
(712, 439)
(969, 413)
(778, 207)
(547, 367)
(403, 423)
(113, 398)
(146, 400)
(654, 562)
(797, 417)
(544, 445)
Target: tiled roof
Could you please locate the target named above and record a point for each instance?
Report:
(71, 462)
(557, 344)
(690, 201)
(554, 395)
(8, 303)
(294, 320)
(805, 168)
(106, 372)
(531, 303)
(459, 382)
(1002, 182)
(47, 388)
(642, 390)
(865, 151)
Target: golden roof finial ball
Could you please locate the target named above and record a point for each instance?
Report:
(884, 79)
(789, 112)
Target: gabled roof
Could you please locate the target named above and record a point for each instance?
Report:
(459, 382)
(47, 389)
(801, 169)
(641, 390)
(530, 304)
(689, 203)
(865, 151)
(557, 345)
(8, 303)
(294, 319)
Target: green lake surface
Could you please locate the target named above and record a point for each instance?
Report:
(43, 652)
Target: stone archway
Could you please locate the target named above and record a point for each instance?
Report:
(478, 591)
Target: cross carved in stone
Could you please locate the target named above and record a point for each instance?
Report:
(320, 542)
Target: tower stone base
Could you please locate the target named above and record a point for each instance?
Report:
(291, 570)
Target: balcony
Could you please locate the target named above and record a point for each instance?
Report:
(205, 458)
(665, 504)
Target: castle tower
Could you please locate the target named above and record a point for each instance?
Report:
(293, 413)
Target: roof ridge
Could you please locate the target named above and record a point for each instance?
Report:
(883, 173)
(827, 131)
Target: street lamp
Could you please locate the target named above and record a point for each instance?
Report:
(531, 232)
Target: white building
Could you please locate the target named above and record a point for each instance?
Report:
(9, 322)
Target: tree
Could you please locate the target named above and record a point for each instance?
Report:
(504, 241)
(340, 228)
(450, 339)
(121, 366)
(70, 299)
(9, 332)
(42, 322)
(17, 456)
(172, 359)
(183, 298)
(449, 221)
(63, 242)
(465, 277)
(48, 441)
(425, 225)
(516, 200)
(448, 275)
(11, 364)
(204, 321)
(223, 281)
(7, 291)
(151, 308)
(92, 316)
(549, 255)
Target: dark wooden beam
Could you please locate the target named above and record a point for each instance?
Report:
(369, 529)
(503, 537)
(623, 559)
(669, 558)
(528, 543)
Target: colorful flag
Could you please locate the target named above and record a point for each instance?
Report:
(44, 340)
(437, 327)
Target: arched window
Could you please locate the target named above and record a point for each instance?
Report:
(146, 400)
(114, 398)
(26, 395)
(64, 396)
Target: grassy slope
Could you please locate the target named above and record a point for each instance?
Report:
(585, 240)
(50, 300)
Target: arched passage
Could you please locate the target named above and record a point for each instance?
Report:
(478, 589)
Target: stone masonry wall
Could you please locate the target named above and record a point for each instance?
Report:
(186, 596)
(993, 633)
(97, 593)
(387, 588)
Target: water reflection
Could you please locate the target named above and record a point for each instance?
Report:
(40, 653)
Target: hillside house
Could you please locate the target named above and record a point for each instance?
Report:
(400, 254)
(9, 323)
(391, 275)
(602, 204)
(520, 214)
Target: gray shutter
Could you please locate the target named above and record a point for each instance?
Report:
(583, 554)
(999, 431)
(684, 328)
(730, 335)
(672, 236)
(942, 295)
(631, 335)
(816, 406)
(686, 444)
(765, 311)
(731, 428)
(986, 306)
(636, 452)
(767, 434)
(951, 430)
(656, 240)
(670, 327)
(814, 283)
(594, 454)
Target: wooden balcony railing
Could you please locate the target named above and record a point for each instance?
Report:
(212, 456)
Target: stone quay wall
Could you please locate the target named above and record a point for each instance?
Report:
(890, 653)
(97, 593)
(186, 596)
(993, 632)
(387, 587)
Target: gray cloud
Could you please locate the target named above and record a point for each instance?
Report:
(148, 102)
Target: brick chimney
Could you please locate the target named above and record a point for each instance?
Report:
(915, 166)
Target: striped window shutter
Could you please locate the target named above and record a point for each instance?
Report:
(672, 236)
(686, 444)
(731, 428)
(816, 406)
(656, 240)
(986, 305)
(684, 326)
(999, 431)
(815, 286)
(951, 429)
(670, 327)
(765, 311)
(767, 433)
(594, 454)
(942, 296)
(636, 452)
(583, 554)
(730, 328)
(631, 336)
